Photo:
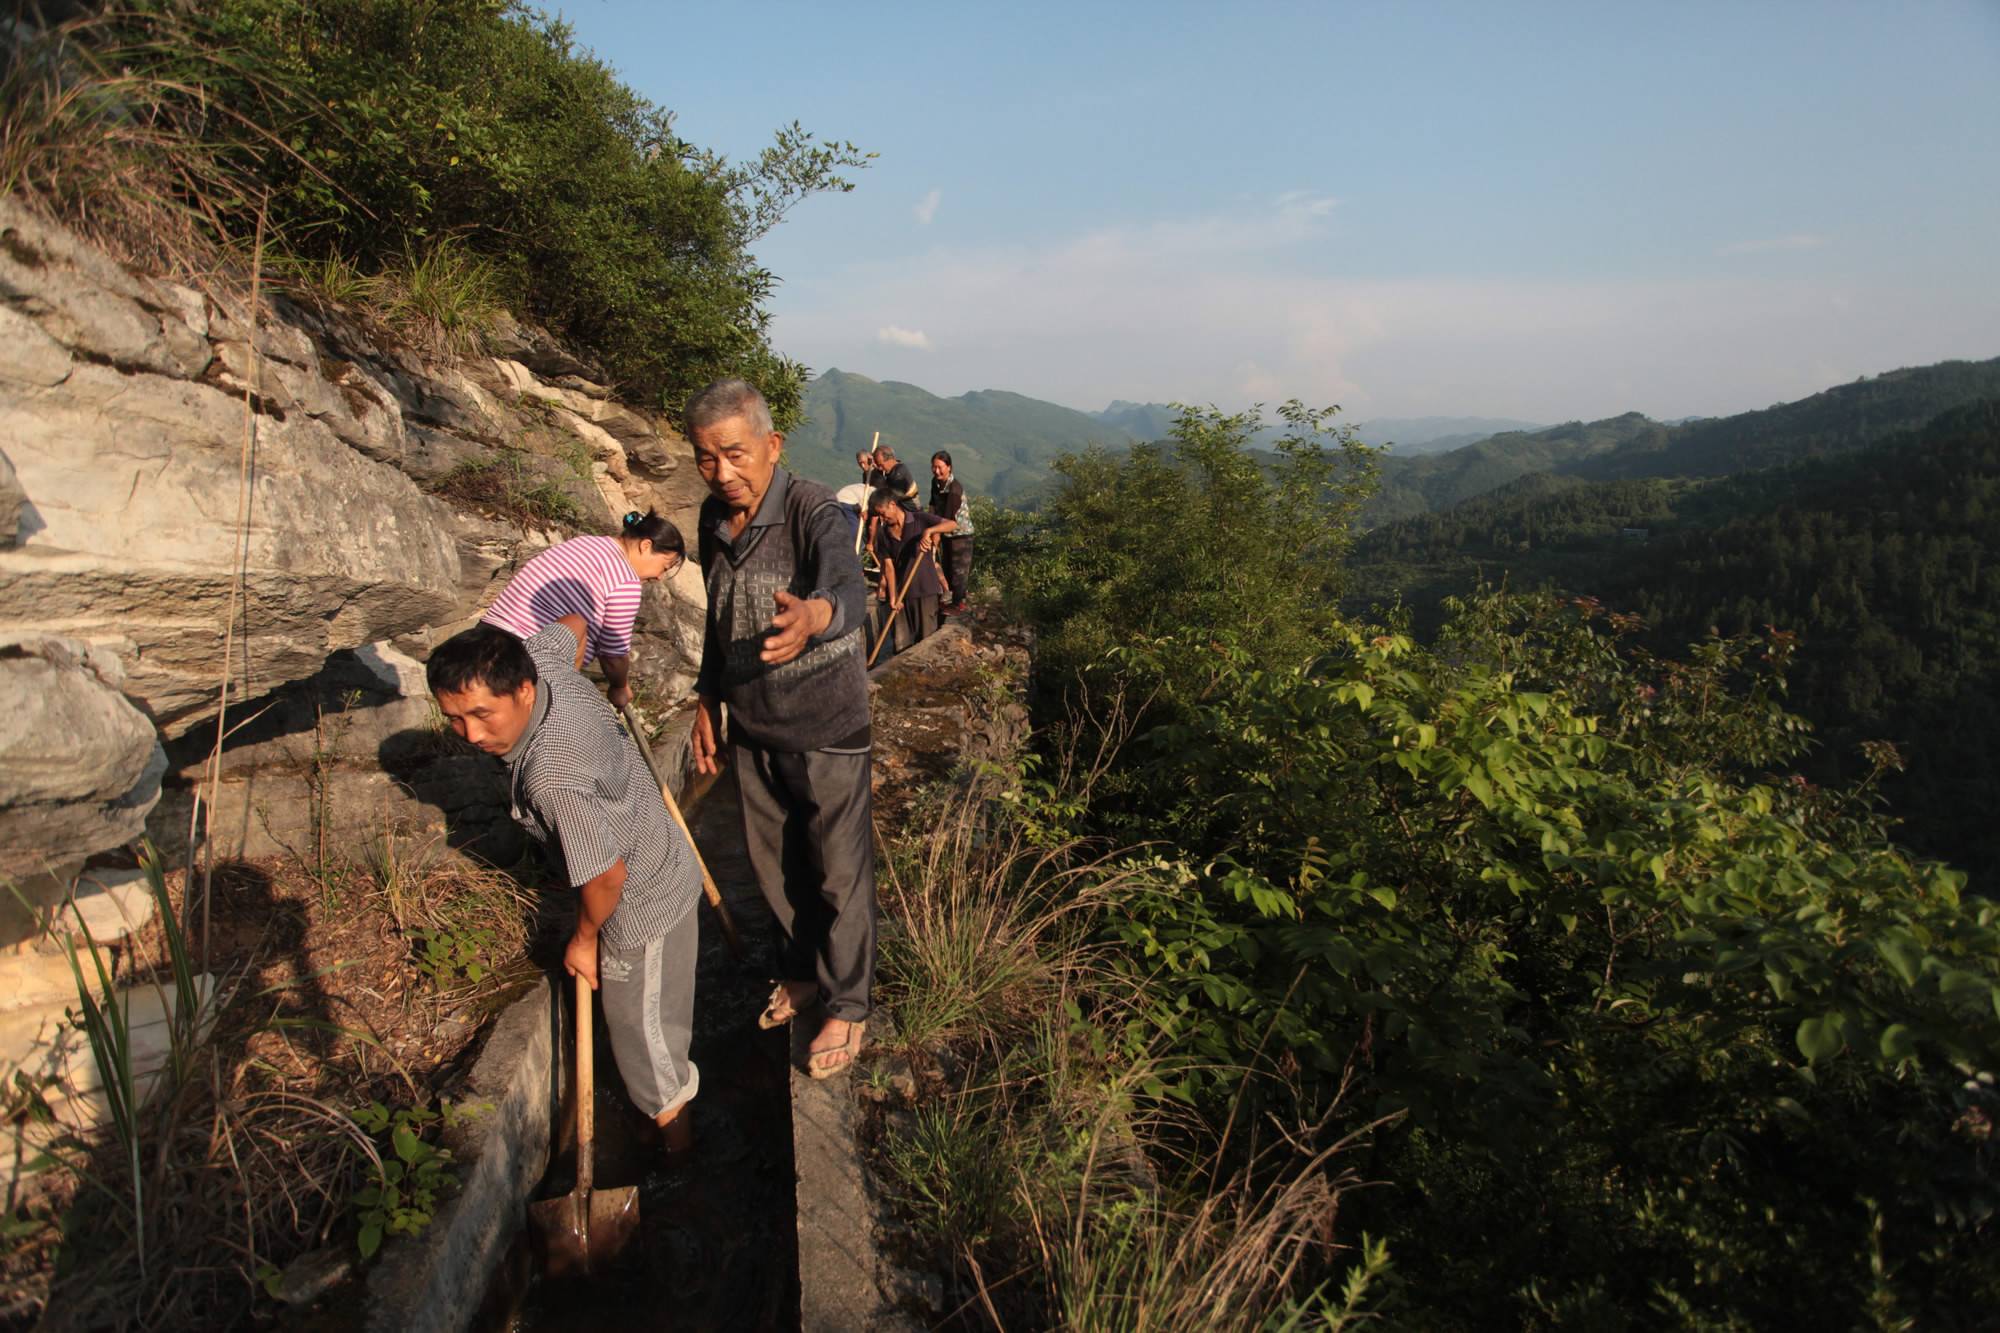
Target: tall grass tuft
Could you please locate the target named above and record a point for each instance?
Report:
(1058, 1173)
(109, 120)
(445, 297)
(105, 1014)
(327, 281)
(984, 923)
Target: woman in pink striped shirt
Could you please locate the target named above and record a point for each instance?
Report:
(599, 579)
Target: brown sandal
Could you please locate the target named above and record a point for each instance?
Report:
(841, 1058)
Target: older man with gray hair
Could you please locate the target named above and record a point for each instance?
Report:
(783, 649)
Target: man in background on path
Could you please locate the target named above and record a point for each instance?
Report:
(581, 789)
(896, 476)
(782, 647)
(906, 548)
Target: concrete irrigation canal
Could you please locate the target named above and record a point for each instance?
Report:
(717, 1247)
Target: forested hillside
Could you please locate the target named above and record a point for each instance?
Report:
(1001, 444)
(1412, 486)
(1539, 931)
(1880, 562)
(1846, 417)
(441, 163)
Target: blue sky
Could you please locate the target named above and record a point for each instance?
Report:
(1542, 211)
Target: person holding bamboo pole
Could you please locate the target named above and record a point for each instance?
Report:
(906, 548)
(782, 647)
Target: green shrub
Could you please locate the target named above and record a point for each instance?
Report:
(1699, 1025)
(1199, 535)
(1675, 1036)
(392, 132)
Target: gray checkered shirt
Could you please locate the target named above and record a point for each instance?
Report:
(581, 788)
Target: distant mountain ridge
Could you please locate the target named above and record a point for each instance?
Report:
(1838, 420)
(1405, 436)
(1002, 444)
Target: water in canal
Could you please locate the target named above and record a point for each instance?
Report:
(718, 1246)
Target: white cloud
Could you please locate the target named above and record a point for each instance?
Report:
(927, 207)
(901, 337)
(1798, 240)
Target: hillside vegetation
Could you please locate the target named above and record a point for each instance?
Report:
(1846, 417)
(456, 156)
(1538, 929)
(1002, 444)
(1878, 561)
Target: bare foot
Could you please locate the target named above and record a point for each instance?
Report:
(676, 1133)
(787, 999)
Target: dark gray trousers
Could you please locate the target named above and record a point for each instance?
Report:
(958, 565)
(917, 621)
(809, 831)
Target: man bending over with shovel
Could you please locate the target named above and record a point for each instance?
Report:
(580, 788)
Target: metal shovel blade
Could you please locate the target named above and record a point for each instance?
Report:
(583, 1233)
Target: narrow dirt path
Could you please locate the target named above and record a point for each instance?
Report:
(718, 1248)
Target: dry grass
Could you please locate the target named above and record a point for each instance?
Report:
(107, 121)
(253, 1157)
(984, 927)
(1052, 1171)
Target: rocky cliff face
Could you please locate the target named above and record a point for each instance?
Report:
(165, 456)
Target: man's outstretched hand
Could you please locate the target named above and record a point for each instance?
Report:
(797, 620)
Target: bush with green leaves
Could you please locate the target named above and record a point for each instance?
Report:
(376, 135)
(1675, 1036)
(1198, 535)
(408, 1177)
(1709, 1030)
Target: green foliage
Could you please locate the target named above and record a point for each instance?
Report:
(1875, 558)
(1619, 981)
(448, 955)
(469, 151)
(1199, 537)
(407, 1176)
(1676, 1035)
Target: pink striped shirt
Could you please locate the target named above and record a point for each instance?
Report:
(584, 576)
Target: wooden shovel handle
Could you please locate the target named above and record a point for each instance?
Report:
(586, 1087)
(708, 887)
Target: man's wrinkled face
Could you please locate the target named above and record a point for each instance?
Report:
(892, 518)
(491, 722)
(737, 462)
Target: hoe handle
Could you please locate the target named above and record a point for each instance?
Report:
(708, 888)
